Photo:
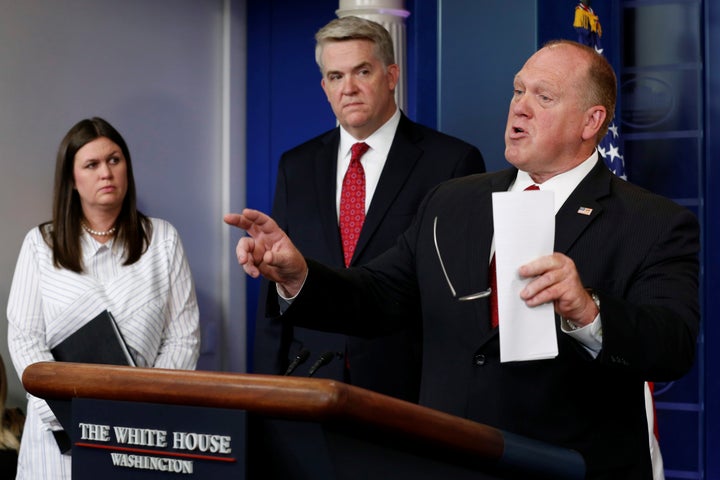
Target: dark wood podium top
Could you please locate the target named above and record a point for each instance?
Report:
(309, 399)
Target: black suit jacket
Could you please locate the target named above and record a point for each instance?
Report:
(305, 207)
(639, 251)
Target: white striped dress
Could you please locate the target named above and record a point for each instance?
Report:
(152, 300)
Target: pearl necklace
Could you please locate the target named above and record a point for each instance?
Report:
(106, 233)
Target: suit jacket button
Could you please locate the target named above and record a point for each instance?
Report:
(479, 360)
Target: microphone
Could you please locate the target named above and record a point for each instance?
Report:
(299, 359)
(324, 359)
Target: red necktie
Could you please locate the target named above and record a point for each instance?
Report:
(352, 202)
(493, 282)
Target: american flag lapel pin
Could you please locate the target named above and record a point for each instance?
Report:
(584, 211)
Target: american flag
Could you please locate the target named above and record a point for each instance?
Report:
(587, 26)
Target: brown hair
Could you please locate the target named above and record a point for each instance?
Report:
(62, 234)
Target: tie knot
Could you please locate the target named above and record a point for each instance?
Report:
(533, 187)
(358, 150)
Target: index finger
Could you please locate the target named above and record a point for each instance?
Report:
(232, 219)
(247, 219)
(254, 222)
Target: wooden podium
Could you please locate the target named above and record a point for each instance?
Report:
(363, 434)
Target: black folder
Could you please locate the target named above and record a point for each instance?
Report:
(98, 341)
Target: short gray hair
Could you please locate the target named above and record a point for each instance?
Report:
(355, 28)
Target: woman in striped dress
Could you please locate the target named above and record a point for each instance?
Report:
(97, 253)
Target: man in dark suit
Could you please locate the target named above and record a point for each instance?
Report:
(404, 161)
(623, 279)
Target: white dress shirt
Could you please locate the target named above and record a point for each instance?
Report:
(373, 161)
(152, 300)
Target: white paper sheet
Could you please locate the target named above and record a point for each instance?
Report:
(524, 230)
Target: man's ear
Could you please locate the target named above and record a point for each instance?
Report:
(393, 72)
(594, 121)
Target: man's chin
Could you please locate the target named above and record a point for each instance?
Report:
(356, 118)
(355, 123)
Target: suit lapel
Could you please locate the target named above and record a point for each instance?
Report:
(402, 157)
(466, 261)
(480, 221)
(499, 182)
(464, 237)
(325, 169)
(582, 207)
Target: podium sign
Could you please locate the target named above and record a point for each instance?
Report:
(120, 440)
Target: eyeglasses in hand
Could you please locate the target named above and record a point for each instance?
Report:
(464, 298)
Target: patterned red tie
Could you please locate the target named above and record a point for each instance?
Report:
(493, 282)
(352, 202)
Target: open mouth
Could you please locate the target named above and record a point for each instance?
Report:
(517, 133)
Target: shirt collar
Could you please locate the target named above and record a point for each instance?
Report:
(91, 247)
(562, 184)
(380, 140)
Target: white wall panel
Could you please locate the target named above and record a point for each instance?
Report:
(154, 69)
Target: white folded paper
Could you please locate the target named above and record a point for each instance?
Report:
(524, 230)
